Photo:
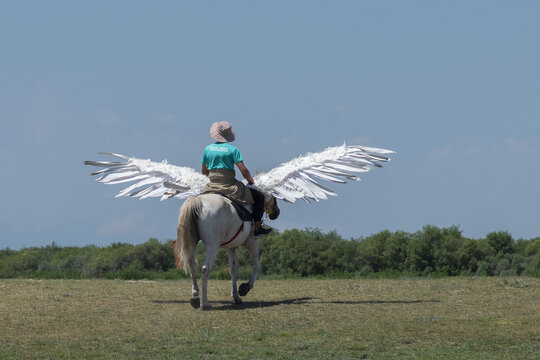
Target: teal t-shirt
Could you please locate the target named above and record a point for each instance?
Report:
(221, 156)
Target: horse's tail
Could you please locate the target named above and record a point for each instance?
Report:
(187, 231)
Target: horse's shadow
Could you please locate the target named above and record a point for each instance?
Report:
(227, 305)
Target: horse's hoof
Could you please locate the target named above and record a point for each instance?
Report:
(195, 302)
(207, 306)
(237, 301)
(244, 289)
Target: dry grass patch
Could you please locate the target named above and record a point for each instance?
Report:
(465, 318)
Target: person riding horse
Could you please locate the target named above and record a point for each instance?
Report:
(218, 163)
(213, 219)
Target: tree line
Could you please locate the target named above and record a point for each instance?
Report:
(432, 251)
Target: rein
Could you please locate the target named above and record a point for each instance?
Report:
(240, 229)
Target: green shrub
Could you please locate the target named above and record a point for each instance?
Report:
(432, 251)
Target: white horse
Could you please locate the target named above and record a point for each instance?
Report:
(213, 219)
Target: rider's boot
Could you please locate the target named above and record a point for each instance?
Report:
(259, 230)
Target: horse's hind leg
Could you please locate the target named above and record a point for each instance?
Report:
(195, 301)
(233, 264)
(211, 253)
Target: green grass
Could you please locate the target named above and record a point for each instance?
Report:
(450, 318)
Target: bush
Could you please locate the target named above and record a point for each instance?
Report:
(501, 242)
(295, 253)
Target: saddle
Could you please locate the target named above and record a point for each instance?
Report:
(242, 212)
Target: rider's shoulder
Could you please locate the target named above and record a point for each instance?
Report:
(219, 146)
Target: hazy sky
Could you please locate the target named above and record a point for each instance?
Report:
(452, 86)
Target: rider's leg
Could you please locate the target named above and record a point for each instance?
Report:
(258, 207)
(258, 211)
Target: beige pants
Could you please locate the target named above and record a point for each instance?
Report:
(224, 181)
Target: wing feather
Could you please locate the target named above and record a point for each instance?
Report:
(298, 178)
(150, 179)
(322, 188)
(147, 181)
(323, 175)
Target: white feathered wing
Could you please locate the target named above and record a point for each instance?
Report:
(151, 179)
(296, 179)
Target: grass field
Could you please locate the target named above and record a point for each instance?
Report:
(451, 318)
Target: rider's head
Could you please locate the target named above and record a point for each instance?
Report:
(221, 131)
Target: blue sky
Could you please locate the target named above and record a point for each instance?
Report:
(453, 87)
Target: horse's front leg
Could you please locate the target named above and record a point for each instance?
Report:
(211, 253)
(253, 249)
(233, 265)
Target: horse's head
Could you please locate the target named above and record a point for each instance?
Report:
(271, 208)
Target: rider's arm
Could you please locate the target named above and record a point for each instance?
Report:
(245, 172)
(204, 169)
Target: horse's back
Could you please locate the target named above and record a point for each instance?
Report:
(216, 209)
(218, 220)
